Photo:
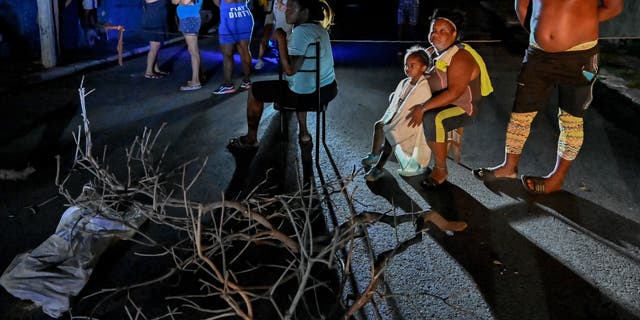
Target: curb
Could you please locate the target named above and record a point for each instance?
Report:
(619, 84)
(58, 72)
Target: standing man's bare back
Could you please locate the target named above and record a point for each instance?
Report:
(557, 25)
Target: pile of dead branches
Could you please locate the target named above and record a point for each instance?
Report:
(270, 251)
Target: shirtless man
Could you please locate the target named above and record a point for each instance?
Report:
(562, 53)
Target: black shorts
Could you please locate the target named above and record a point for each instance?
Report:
(572, 72)
(437, 122)
(278, 91)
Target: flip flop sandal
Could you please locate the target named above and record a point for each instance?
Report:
(486, 174)
(236, 143)
(153, 76)
(190, 86)
(431, 183)
(162, 73)
(538, 184)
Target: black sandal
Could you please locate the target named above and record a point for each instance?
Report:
(431, 183)
(236, 143)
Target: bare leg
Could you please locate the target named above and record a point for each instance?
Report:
(554, 180)
(508, 168)
(192, 44)
(439, 173)
(266, 35)
(378, 138)
(518, 131)
(303, 132)
(569, 144)
(227, 62)
(152, 57)
(387, 148)
(245, 58)
(254, 113)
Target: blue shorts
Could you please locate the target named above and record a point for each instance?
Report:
(190, 25)
(236, 23)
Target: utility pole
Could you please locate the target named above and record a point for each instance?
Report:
(47, 27)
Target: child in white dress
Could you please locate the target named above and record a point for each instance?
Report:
(392, 132)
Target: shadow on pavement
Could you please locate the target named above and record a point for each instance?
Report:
(517, 279)
(388, 188)
(609, 227)
(19, 132)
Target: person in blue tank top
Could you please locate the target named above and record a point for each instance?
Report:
(236, 26)
(188, 12)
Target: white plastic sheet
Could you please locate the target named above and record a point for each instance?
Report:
(55, 271)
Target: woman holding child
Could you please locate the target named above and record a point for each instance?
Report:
(434, 103)
(458, 78)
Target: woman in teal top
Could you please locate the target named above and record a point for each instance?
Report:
(189, 15)
(310, 19)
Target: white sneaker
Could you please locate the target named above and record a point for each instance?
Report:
(259, 64)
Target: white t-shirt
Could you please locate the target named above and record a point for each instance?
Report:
(302, 43)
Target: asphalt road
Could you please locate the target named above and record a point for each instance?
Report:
(571, 255)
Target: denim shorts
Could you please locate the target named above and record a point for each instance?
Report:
(190, 25)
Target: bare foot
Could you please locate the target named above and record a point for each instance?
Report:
(442, 223)
(504, 172)
(495, 173)
(439, 174)
(541, 185)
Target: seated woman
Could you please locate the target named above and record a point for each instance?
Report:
(310, 19)
(458, 79)
(391, 133)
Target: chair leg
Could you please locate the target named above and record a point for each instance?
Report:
(454, 144)
(284, 126)
(318, 129)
